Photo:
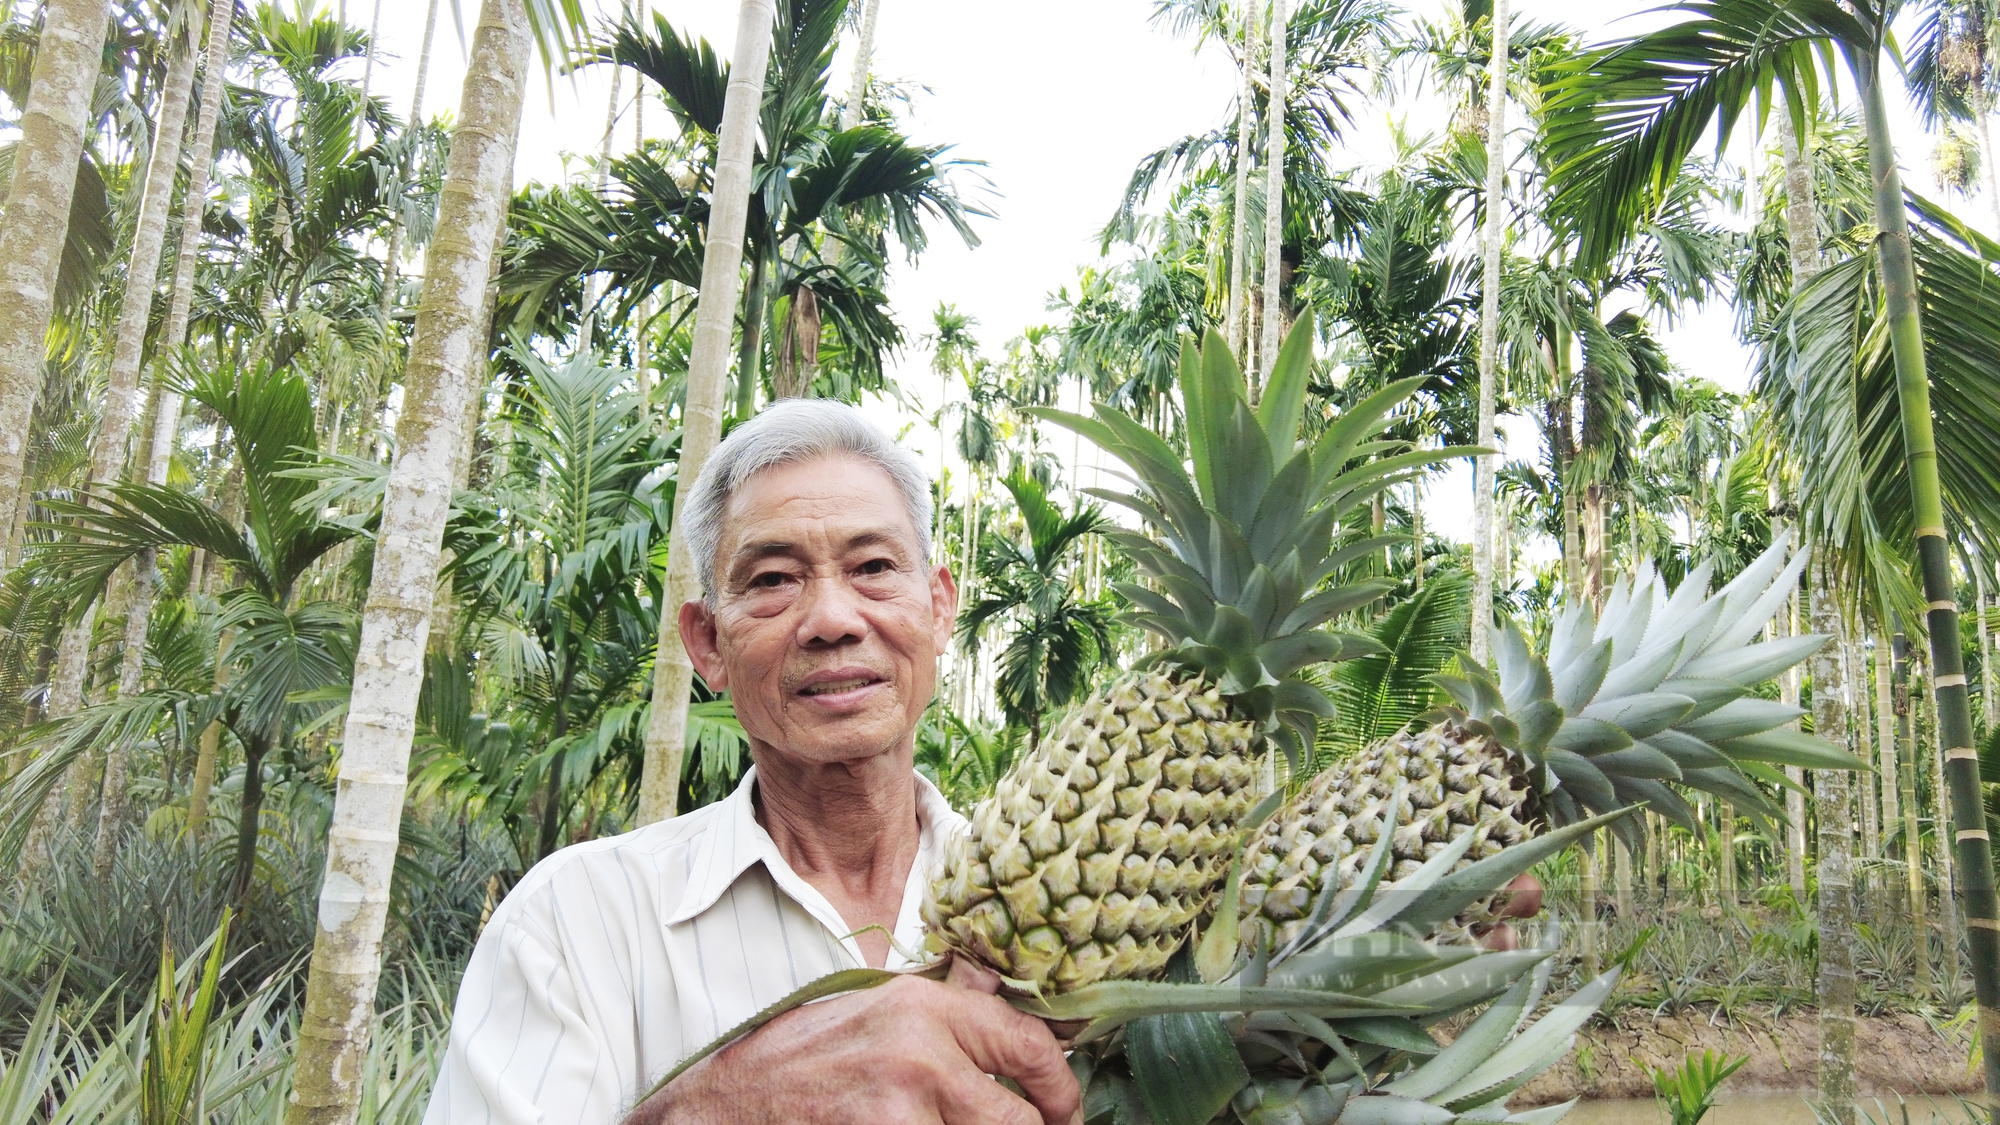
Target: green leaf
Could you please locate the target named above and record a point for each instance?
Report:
(1788, 747)
(1640, 715)
(1388, 1109)
(1284, 397)
(1476, 1043)
(1524, 1055)
(1185, 1065)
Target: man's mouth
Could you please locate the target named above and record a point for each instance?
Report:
(841, 685)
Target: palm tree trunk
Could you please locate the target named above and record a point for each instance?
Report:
(1982, 110)
(1726, 836)
(707, 394)
(201, 156)
(1801, 205)
(446, 349)
(750, 355)
(1417, 534)
(864, 59)
(1913, 841)
(1885, 734)
(1968, 814)
(1274, 200)
(394, 256)
(1856, 678)
(1587, 893)
(1593, 544)
(1833, 796)
(1985, 646)
(1239, 246)
(1786, 625)
(249, 818)
(1947, 887)
(67, 59)
(1489, 333)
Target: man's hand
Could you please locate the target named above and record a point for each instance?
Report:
(911, 1051)
(1522, 898)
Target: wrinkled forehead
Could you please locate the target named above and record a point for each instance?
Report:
(835, 501)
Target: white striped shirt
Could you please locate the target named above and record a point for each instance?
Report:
(613, 960)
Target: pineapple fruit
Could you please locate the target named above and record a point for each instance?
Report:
(1102, 846)
(1651, 693)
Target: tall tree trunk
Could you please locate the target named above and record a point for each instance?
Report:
(1593, 544)
(1489, 333)
(1587, 893)
(1726, 838)
(750, 355)
(1239, 240)
(1985, 647)
(1947, 885)
(707, 393)
(864, 59)
(1274, 199)
(798, 356)
(1856, 679)
(1913, 841)
(201, 157)
(392, 260)
(1885, 735)
(1832, 792)
(1786, 625)
(1982, 110)
(249, 819)
(1417, 534)
(67, 59)
(447, 348)
(1954, 711)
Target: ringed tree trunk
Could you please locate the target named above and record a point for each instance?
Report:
(1954, 710)
(1489, 334)
(798, 357)
(864, 58)
(392, 259)
(201, 157)
(1833, 796)
(1233, 323)
(1274, 200)
(1885, 734)
(445, 350)
(750, 355)
(707, 394)
(68, 56)
(1802, 238)
(1913, 841)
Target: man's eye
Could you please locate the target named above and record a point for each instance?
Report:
(769, 580)
(876, 566)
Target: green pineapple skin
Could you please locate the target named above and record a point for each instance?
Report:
(1455, 782)
(1099, 849)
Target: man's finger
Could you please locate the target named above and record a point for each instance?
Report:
(967, 1097)
(1002, 1041)
(1500, 938)
(967, 973)
(1524, 897)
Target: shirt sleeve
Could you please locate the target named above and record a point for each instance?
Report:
(520, 1051)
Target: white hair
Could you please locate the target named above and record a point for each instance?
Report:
(786, 433)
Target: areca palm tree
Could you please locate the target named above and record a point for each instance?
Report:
(1623, 122)
(283, 645)
(818, 186)
(1054, 636)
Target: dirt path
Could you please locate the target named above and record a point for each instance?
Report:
(1894, 1054)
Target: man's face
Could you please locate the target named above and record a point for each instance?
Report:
(827, 622)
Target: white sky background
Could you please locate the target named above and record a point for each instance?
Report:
(1061, 98)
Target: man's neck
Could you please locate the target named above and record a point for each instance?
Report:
(849, 829)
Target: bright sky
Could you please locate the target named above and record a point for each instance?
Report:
(1061, 98)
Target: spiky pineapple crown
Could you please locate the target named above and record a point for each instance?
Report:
(1653, 692)
(1245, 566)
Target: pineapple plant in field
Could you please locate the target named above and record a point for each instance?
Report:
(1652, 693)
(1096, 854)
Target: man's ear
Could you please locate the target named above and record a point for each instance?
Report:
(944, 607)
(698, 637)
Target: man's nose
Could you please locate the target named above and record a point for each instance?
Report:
(832, 613)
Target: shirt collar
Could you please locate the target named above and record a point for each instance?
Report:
(735, 841)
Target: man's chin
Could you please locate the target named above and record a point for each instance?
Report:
(826, 740)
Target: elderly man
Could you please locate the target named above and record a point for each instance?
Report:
(823, 617)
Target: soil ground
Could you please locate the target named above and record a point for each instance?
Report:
(1894, 1054)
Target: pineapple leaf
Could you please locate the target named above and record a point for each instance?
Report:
(1473, 1045)
(1641, 761)
(1661, 798)
(1588, 736)
(1329, 604)
(1730, 785)
(1740, 718)
(1281, 510)
(1284, 398)
(1640, 715)
(1788, 747)
(1464, 983)
(1585, 781)
(1577, 682)
(1644, 672)
(1195, 404)
(1185, 1065)
(1687, 751)
(1388, 1109)
(1389, 903)
(1243, 470)
(1339, 445)
(1707, 694)
(1285, 655)
(1481, 878)
(1532, 1051)
(1385, 1031)
(1755, 663)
